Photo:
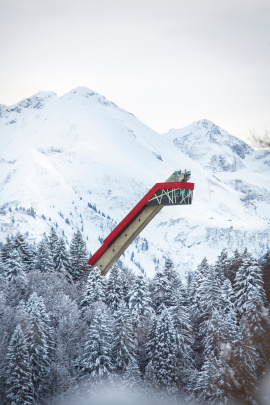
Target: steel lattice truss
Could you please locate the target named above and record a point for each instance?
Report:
(176, 196)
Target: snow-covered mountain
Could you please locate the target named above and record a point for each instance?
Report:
(79, 161)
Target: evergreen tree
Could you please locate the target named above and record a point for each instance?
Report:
(6, 249)
(184, 342)
(265, 266)
(148, 344)
(195, 290)
(14, 269)
(62, 259)
(139, 298)
(127, 281)
(162, 291)
(228, 298)
(43, 259)
(22, 247)
(123, 346)
(39, 339)
(222, 266)
(246, 363)
(132, 377)
(209, 292)
(209, 384)
(140, 308)
(161, 371)
(3, 275)
(178, 291)
(95, 365)
(18, 371)
(172, 274)
(216, 380)
(253, 319)
(114, 289)
(68, 336)
(16, 280)
(250, 295)
(234, 264)
(78, 257)
(229, 327)
(53, 242)
(94, 289)
(204, 297)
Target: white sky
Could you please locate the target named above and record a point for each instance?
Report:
(168, 62)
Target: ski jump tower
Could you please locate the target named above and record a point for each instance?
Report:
(175, 191)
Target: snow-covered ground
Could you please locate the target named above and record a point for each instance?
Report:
(79, 161)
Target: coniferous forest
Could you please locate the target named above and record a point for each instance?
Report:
(202, 340)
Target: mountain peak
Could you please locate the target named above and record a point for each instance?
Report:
(211, 145)
(201, 127)
(205, 123)
(36, 101)
(82, 90)
(44, 94)
(85, 92)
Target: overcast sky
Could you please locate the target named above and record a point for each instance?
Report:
(168, 62)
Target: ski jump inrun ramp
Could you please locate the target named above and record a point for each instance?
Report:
(175, 191)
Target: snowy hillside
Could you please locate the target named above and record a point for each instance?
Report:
(79, 161)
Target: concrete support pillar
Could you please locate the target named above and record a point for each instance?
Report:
(115, 250)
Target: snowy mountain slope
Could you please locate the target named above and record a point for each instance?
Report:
(79, 161)
(213, 147)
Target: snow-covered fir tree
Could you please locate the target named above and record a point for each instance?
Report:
(162, 291)
(53, 240)
(234, 263)
(161, 371)
(265, 266)
(131, 379)
(196, 298)
(15, 277)
(209, 384)
(78, 257)
(14, 269)
(175, 282)
(6, 249)
(184, 339)
(62, 259)
(95, 365)
(140, 307)
(127, 281)
(94, 289)
(217, 377)
(39, 339)
(222, 265)
(26, 255)
(250, 295)
(44, 259)
(209, 292)
(123, 344)
(114, 289)
(139, 298)
(253, 318)
(3, 276)
(19, 386)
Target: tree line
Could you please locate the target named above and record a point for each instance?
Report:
(207, 339)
